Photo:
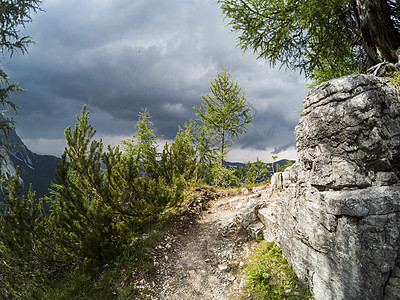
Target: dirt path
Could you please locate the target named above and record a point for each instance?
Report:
(203, 261)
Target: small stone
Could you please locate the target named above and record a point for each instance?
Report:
(242, 283)
(236, 285)
(223, 267)
(245, 191)
(255, 230)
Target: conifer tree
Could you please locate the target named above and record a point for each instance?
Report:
(325, 39)
(13, 14)
(26, 258)
(225, 113)
(142, 145)
(16, 229)
(207, 152)
(82, 212)
(101, 203)
(179, 160)
(103, 199)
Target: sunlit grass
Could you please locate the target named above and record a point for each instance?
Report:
(269, 276)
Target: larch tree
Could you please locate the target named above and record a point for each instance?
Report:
(322, 38)
(225, 113)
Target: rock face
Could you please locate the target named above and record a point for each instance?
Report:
(36, 169)
(338, 214)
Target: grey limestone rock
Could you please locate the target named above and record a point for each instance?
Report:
(247, 218)
(349, 132)
(338, 215)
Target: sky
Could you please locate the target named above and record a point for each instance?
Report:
(120, 56)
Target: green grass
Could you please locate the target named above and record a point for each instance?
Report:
(394, 78)
(269, 276)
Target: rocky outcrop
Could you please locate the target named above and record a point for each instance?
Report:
(337, 216)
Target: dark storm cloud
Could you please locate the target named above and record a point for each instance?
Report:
(118, 56)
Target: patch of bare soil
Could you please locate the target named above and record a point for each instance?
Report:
(203, 259)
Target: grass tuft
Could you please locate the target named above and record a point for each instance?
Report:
(394, 78)
(269, 276)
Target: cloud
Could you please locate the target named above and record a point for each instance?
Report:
(120, 56)
(45, 146)
(265, 155)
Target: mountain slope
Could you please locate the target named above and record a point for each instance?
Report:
(34, 168)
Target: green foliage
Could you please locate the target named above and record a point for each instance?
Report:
(206, 151)
(179, 161)
(97, 209)
(324, 39)
(111, 280)
(306, 35)
(394, 78)
(252, 173)
(288, 164)
(142, 145)
(104, 210)
(222, 176)
(76, 284)
(13, 14)
(274, 158)
(82, 211)
(26, 259)
(225, 113)
(17, 224)
(269, 276)
(259, 171)
(104, 200)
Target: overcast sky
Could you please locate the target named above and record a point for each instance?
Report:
(118, 56)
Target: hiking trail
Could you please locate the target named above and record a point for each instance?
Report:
(204, 259)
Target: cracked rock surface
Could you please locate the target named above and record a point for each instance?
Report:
(338, 216)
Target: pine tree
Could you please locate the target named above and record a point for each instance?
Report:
(82, 211)
(179, 161)
(26, 258)
(142, 145)
(103, 199)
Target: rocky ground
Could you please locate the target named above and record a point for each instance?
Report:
(204, 258)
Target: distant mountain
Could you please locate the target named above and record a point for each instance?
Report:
(35, 169)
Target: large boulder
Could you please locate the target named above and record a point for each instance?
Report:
(338, 216)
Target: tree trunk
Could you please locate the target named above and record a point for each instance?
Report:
(222, 146)
(380, 39)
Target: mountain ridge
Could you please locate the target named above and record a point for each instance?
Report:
(38, 170)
